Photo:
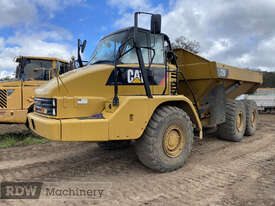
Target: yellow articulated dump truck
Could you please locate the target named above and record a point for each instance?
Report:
(17, 95)
(135, 87)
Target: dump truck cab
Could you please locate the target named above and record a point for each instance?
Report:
(17, 94)
(135, 88)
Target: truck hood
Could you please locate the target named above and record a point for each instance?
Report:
(86, 81)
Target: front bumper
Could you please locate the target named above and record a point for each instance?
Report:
(69, 129)
(45, 127)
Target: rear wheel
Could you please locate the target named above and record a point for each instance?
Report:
(167, 140)
(251, 117)
(234, 127)
(114, 145)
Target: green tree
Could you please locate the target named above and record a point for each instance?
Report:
(268, 80)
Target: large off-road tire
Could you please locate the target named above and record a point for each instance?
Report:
(167, 140)
(114, 145)
(30, 109)
(235, 121)
(252, 117)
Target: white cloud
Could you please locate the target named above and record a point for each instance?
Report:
(2, 43)
(133, 4)
(126, 9)
(217, 47)
(239, 33)
(39, 44)
(4, 74)
(32, 37)
(13, 12)
(52, 6)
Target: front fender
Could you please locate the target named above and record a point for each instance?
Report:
(179, 101)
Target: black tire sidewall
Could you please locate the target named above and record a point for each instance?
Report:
(179, 120)
(250, 106)
(228, 130)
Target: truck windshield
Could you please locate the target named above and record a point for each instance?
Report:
(107, 48)
(35, 69)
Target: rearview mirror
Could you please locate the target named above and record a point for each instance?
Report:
(156, 23)
(83, 46)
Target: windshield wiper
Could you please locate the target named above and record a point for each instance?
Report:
(102, 61)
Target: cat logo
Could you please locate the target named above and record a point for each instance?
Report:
(134, 76)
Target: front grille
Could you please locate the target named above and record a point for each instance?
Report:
(3, 98)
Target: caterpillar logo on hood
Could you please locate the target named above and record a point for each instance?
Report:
(134, 76)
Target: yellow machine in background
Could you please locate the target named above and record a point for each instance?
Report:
(17, 95)
(135, 87)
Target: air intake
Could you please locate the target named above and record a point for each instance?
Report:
(3, 98)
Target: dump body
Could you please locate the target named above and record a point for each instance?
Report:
(212, 83)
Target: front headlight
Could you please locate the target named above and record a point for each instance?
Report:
(45, 106)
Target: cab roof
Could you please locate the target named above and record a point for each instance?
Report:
(43, 58)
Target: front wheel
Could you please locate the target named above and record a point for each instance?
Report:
(167, 140)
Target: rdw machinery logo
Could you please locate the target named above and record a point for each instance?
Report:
(20, 190)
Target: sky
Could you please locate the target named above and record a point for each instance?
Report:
(238, 33)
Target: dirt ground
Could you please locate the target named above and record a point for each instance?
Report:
(217, 173)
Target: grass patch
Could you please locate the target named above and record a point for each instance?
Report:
(15, 139)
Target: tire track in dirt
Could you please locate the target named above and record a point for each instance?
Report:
(217, 173)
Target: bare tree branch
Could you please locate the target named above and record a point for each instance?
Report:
(184, 43)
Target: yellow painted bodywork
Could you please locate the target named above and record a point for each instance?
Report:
(13, 116)
(49, 128)
(128, 121)
(18, 102)
(14, 107)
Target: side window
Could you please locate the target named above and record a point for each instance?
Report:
(36, 69)
(63, 68)
(157, 43)
(131, 56)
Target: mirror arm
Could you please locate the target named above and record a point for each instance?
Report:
(136, 16)
(78, 54)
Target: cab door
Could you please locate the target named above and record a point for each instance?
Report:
(28, 88)
(130, 79)
(38, 72)
(158, 75)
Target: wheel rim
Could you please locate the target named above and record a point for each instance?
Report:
(240, 122)
(253, 118)
(173, 141)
